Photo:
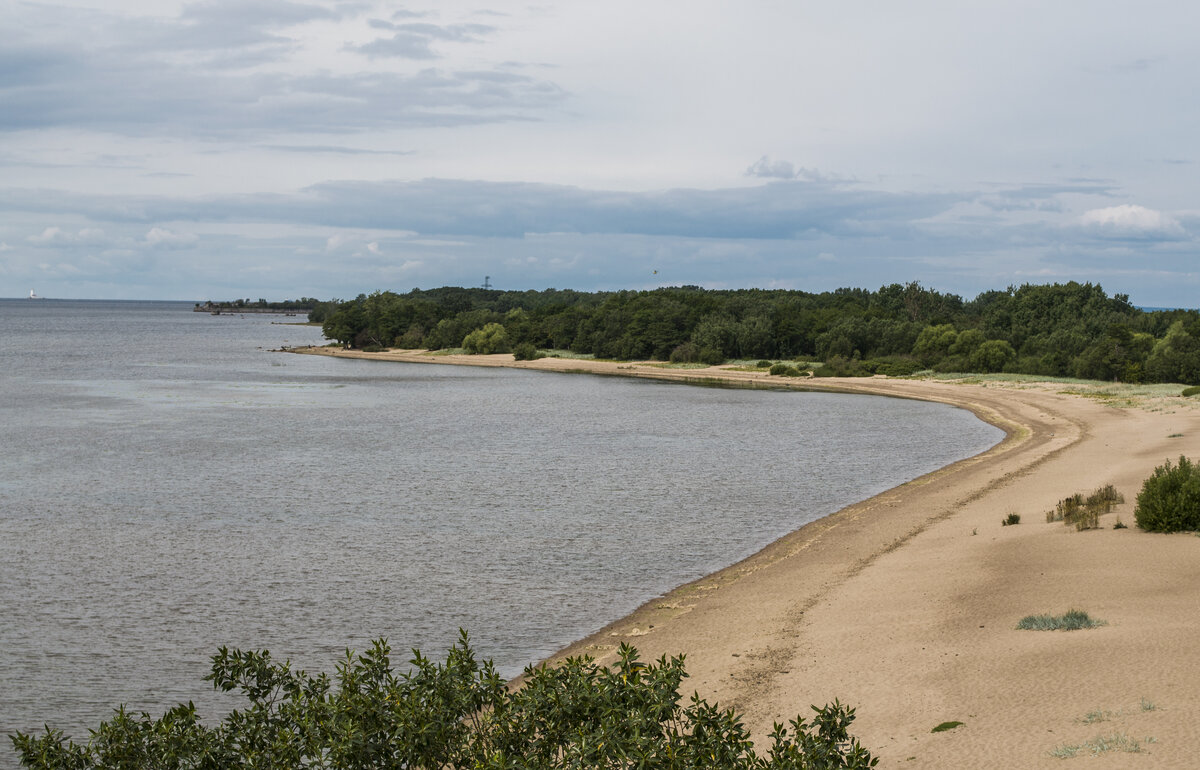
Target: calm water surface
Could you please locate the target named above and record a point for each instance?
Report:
(169, 485)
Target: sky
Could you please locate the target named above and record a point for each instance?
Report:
(224, 148)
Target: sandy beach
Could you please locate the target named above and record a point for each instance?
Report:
(905, 605)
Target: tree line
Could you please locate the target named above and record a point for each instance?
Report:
(1069, 329)
(304, 303)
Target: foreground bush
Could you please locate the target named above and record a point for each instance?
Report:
(1170, 499)
(458, 714)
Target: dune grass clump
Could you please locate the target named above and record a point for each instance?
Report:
(944, 726)
(1010, 519)
(1072, 620)
(1084, 512)
(1101, 744)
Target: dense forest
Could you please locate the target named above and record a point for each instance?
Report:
(1070, 329)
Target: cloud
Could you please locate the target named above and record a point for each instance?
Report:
(161, 238)
(331, 149)
(56, 236)
(415, 41)
(445, 207)
(1131, 221)
(226, 24)
(766, 168)
(229, 69)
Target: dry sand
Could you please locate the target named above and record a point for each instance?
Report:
(905, 606)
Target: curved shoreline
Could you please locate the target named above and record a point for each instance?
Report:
(904, 605)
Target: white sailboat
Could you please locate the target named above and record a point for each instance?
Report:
(32, 295)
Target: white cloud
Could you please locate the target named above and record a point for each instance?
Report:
(159, 237)
(1131, 220)
(766, 168)
(56, 236)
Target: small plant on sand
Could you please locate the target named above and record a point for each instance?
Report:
(944, 726)
(1101, 744)
(1072, 620)
(1084, 512)
(1170, 498)
(1065, 508)
(1120, 524)
(1010, 519)
(1192, 391)
(1148, 705)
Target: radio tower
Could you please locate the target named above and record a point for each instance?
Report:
(487, 282)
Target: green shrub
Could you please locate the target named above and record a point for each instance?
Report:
(492, 338)
(764, 364)
(1187, 392)
(905, 368)
(1012, 518)
(784, 370)
(372, 348)
(458, 714)
(527, 351)
(1072, 620)
(712, 357)
(685, 353)
(1170, 498)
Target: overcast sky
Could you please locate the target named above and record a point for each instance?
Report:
(222, 148)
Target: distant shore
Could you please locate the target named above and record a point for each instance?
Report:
(905, 605)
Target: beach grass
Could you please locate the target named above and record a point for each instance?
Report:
(1101, 744)
(1072, 620)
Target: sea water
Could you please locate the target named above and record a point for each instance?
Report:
(168, 485)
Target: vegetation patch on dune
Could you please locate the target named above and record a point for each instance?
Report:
(1071, 620)
(1084, 512)
(1101, 744)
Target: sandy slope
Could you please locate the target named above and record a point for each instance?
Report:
(905, 605)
